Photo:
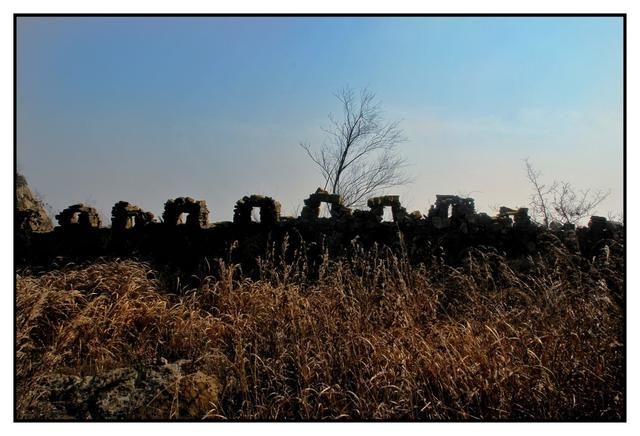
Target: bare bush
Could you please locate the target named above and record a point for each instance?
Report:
(560, 201)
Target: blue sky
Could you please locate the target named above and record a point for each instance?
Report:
(147, 109)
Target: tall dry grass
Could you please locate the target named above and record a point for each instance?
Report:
(373, 338)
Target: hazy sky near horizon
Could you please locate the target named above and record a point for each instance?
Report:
(147, 109)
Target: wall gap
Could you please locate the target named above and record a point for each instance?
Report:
(325, 210)
(387, 214)
(255, 214)
(182, 218)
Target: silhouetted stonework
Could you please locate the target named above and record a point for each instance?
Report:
(125, 216)
(520, 216)
(311, 209)
(451, 206)
(269, 210)
(79, 216)
(377, 205)
(198, 214)
(450, 227)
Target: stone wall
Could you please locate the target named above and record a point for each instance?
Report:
(450, 227)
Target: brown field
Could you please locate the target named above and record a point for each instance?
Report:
(374, 338)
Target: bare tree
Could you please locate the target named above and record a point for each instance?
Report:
(559, 201)
(360, 156)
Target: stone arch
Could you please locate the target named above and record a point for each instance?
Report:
(125, 215)
(520, 216)
(79, 216)
(197, 210)
(377, 205)
(461, 209)
(311, 209)
(269, 210)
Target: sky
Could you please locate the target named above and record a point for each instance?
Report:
(148, 109)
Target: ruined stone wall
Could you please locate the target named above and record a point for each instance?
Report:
(450, 227)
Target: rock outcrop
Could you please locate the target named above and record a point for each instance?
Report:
(30, 213)
(152, 391)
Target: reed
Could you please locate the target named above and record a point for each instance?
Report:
(371, 338)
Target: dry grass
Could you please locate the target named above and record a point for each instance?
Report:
(373, 338)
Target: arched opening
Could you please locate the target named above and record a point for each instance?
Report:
(75, 218)
(387, 214)
(449, 210)
(131, 222)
